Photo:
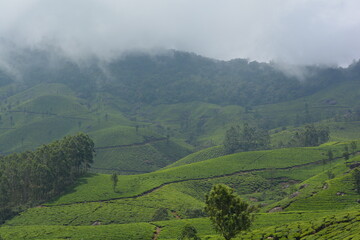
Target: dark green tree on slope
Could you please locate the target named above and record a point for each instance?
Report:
(114, 180)
(228, 213)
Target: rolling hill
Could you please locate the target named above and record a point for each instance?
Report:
(159, 121)
(287, 180)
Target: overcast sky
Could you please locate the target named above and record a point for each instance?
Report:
(292, 31)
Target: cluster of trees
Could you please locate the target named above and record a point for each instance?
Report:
(310, 136)
(31, 177)
(244, 139)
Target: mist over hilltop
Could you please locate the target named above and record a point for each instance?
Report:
(173, 77)
(292, 32)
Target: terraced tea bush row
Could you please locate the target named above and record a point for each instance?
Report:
(248, 161)
(136, 231)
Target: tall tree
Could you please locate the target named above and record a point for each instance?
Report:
(114, 180)
(228, 213)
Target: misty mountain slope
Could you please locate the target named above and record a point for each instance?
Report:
(173, 76)
(183, 77)
(181, 96)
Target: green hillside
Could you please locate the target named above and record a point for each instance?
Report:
(30, 118)
(199, 156)
(271, 178)
(214, 96)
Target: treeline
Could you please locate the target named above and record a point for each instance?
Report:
(310, 136)
(32, 177)
(246, 138)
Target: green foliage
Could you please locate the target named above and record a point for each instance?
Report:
(195, 213)
(311, 136)
(232, 140)
(353, 146)
(330, 174)
(228, 213)
(340, 226)
(32, 177)
(136, 231)
(183, 197)
(330, 155)
(137, 184)
(356, 176)
(202, 155)
(161, 214)
(246, 139)
(188, 232)
(114, 180)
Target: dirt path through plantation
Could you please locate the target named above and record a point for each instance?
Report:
(156, 233)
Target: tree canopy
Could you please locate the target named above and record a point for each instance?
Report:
(245, 139)
(310, 136)
(228, 213)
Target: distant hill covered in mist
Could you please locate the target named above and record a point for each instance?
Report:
(173, 77)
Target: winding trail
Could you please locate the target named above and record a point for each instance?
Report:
(157, 232)
(198, 179)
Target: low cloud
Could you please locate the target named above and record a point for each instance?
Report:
(295, 32)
